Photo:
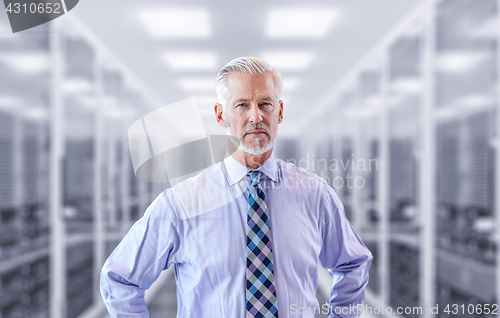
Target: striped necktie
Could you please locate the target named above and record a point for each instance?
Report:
(260, 286)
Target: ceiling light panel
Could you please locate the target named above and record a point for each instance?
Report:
(300, 22)
(407, 85)
(26, 63)
(176, 23)
(289, 60)
(190, 61)
(459, 62)
(77, 85)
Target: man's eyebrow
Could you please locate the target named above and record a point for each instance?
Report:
(265, 97)
(239, 100)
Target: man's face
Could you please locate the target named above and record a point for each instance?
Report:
(253, 111)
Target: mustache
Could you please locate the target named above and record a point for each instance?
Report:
(256, 126)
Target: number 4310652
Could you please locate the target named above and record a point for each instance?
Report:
(471, 309)
(34, 8)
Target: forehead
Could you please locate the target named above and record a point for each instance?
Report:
(240, 83)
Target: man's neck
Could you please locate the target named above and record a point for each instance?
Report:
(251, 161)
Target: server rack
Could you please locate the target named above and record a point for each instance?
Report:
(425, 104)
(24, 237)
(67, 192)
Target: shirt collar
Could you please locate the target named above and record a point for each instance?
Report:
(236, 171)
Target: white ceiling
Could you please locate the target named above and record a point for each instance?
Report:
(238, 28)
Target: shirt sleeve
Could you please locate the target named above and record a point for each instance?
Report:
(150, 246)
(345, 257)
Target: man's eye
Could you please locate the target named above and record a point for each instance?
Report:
(240, 105)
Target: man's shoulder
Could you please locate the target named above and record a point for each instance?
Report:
(201, 179)
(202, 193)
(290, 170)
(307, 183)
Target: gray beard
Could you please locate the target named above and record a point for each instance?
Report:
(257, 150)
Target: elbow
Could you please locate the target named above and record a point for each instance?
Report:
(366, 262)
(369, 259)
(109, 280)
(104, 283)
(110, 277)
(365, 257)
(361, 261)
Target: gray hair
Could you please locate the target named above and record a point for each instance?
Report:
(246, 65)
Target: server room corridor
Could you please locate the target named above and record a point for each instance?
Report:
(394, 103)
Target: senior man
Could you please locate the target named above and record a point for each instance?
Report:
(257, 254)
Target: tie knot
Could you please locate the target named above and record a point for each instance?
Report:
(254, 177)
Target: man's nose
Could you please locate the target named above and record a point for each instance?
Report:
(255, 114)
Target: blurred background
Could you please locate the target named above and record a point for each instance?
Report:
(394, 102)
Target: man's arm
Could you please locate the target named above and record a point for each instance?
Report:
(150, 246)
(346, 258)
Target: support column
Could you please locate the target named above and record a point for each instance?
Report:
(427, 293)
(98, 199)
(57, 228)
(383, 186)
(497, 160)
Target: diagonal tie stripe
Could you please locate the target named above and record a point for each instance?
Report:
(260, 288)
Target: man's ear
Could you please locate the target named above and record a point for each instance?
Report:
(218, 114)
(280, 116)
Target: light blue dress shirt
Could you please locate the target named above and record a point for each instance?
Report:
(200, 227)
